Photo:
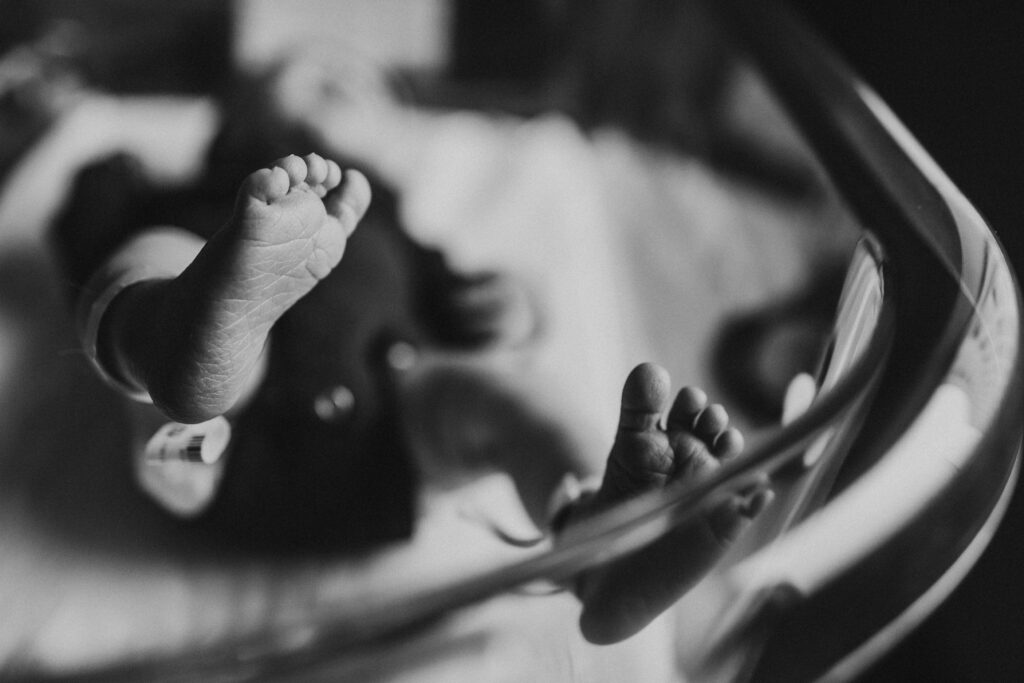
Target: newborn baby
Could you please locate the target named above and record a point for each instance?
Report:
(286, 303)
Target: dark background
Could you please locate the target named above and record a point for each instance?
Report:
(954, 73)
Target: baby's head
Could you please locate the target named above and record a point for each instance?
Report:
(321, 97)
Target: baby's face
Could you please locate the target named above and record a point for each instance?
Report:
(333, 97)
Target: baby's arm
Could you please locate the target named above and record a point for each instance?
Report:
(169, 135)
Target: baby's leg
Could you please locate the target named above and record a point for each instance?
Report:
(193, 341)
(623, 597)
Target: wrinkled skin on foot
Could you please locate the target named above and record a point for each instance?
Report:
(289, 230)
(621, 598)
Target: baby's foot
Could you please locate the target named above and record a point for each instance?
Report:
(623, 597)
(288, 231)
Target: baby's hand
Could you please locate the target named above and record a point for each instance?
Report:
(621, 598)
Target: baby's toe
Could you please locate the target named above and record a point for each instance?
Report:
(699, 434)
(711, 422)
(334, 174)
(324, 175)
(316, 169)
(348, 201)
(730, 517)
(266, 185)
(640, 458)
(295, 167)
(689, 403)
(755, 501)
(644, 396)
(728, 444)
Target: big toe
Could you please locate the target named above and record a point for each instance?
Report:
(640, 458)
(266, 185)
(644, 397)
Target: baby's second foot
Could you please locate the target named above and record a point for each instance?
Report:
(621, 598)
(288, 231)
